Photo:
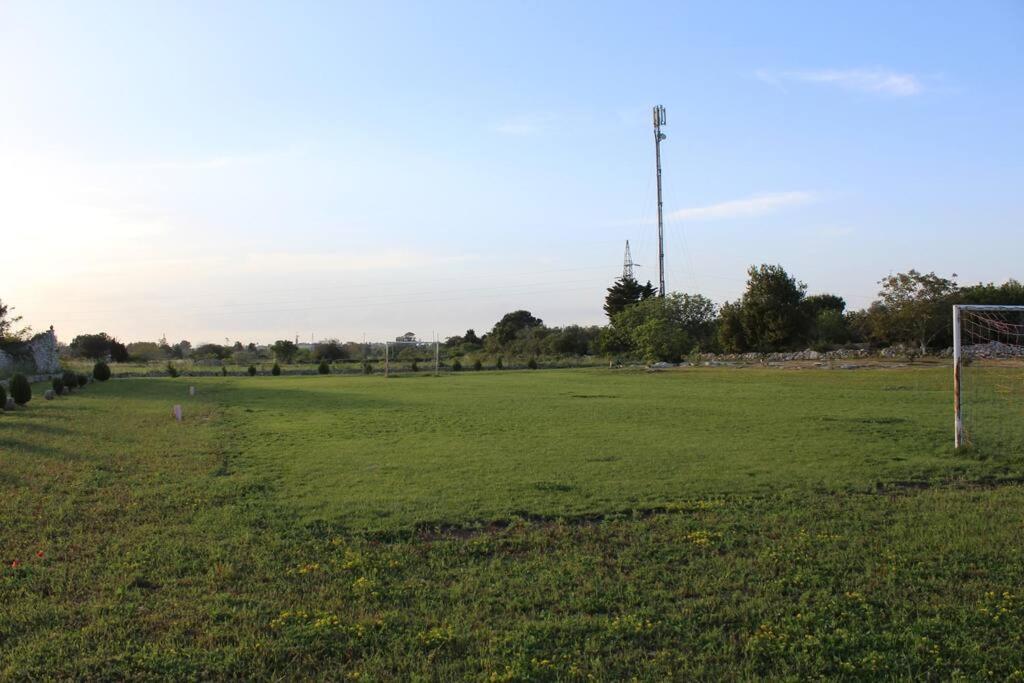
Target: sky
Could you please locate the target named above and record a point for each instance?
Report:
(255, 171)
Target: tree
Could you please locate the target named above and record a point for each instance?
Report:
(625, 292)
(215, 351)
(666, 328)
(914, 308)
(284, 350)
(145, 351)
(99, 346)
(512, 325)
(182, 349)
(827, 324)
(1010, 293)
(329, 350)
(9, 330)
(769, 316)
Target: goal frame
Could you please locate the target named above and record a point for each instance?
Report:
(958, 418)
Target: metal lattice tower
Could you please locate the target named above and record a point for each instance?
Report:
(627, 264)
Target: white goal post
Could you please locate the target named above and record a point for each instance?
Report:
(982, 332)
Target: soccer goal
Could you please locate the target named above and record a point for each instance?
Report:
(988, 377)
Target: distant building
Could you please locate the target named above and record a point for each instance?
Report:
(407, 338)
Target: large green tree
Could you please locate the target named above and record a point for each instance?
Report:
(329, 350)
(913, 308)
(625, 292)
(284, 350)
(99, 346)
(770, 315)
(512, 325)
(664, 328)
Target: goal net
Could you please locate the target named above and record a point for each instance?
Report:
(988, 378)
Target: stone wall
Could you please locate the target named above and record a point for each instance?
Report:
(38, 356)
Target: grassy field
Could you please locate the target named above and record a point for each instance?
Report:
(551, 525)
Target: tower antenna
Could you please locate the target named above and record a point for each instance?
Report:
(659, 121)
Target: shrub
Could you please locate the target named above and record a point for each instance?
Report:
(499, 365)
(276, 370)
(367, 368)
(223, 371)
(477, 365)
(532, 363)
(82, 378)
(101, 372)
(70, 379)
(324, 368)
(3, 397)
(171, 370)
(252, 370)
(456, 365)
(21, 390)
(414, 367)
(58, 385)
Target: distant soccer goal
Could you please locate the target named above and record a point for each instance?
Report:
(988, 377)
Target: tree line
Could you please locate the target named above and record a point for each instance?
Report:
(774, 313)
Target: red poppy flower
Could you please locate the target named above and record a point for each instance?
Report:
(14, 564)
(39, 553)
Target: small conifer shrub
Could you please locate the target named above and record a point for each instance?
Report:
(252, 371)
(456, 365)
(82, 378)
(171, 370)
(324, 368)
(3, 397)
(21, 390)
(414, 367)
(499, 365)
(70, 380)
(367, 368)
(101, 372)
(477, 365)
(58, 385)
(223, 371)
(276, 370)
(532, 364)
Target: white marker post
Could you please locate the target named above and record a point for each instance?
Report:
(176, 412)
(191, 391)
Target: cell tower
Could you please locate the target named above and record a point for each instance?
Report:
(659, 121)
(627, 264)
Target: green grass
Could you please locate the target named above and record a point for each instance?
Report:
(552, 525)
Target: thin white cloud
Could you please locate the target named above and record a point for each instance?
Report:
(748, 207)
(876, 81)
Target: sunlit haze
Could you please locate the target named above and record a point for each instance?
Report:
(242, 171)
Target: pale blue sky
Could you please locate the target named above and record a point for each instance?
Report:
(254, 171)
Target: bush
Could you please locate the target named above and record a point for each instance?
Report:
(101, 372)
(456, 365)
(499, 365)
(21, 390)
(414, 367)
(171, 370)
(223, 371)
(252, 371)
(477, 365)
(324, 368)
(70, 379)
(83, 379)
(367, 368)
(532, 364)
(276, 370)
(3, 397)
(58, 385)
